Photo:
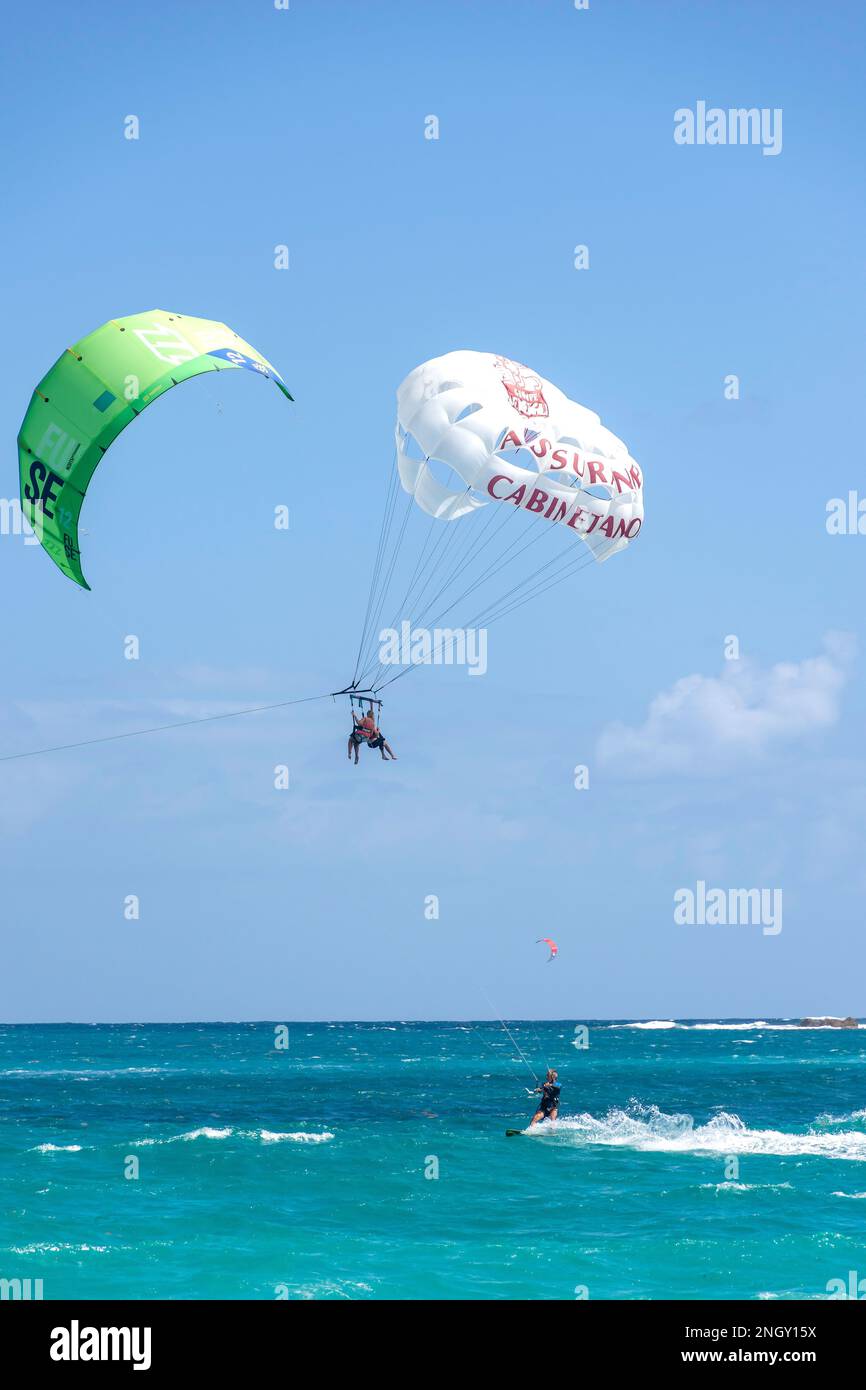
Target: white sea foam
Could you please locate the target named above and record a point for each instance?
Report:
(747, 1186)
(784, 1026)
(649, 1129)
(298, 1137)
(855, 1117)
(205, 1132)
(57, 1149)
(706, 1027)
(331, 1288)
(44, 1247)
(732, 1027)
(265, 1136)
(82, 1073)
(652, 1024)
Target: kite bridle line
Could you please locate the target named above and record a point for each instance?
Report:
(520, 1051)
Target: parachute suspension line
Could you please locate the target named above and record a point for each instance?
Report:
(493, 569)
(468, 555)
(385, 584)
(448, 539)
(443, 542)
(384, 531)
(446, 535)
(420, 565)
(498, 561)
(465, 555)
(568, 564)
(580, 561)
(489, 617)
(583, 562)
(366, 651)
(441, 562)
(471, 551)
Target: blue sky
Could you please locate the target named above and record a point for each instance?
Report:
(306, 128)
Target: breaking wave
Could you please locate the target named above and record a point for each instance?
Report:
(647, 1128)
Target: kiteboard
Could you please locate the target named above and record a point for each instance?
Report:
(509, 1133)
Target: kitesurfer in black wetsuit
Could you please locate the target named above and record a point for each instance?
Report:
(548, 1108)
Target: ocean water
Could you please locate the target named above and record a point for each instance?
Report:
(369, 1161)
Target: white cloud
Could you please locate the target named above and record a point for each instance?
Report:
(705, 724)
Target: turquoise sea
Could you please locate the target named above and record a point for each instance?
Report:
(369, 1161)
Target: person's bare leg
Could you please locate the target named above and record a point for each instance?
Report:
(351, 744)
(390, 750)
(539, 1115)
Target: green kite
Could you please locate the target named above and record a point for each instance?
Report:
(93, 392)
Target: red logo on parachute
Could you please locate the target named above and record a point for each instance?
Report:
(523, 387)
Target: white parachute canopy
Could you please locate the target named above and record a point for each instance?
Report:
(512, 437)
(530, 486)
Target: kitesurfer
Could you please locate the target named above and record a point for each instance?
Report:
(548, 1107)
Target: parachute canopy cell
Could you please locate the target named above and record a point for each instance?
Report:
(513, 438)
(93, 392)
